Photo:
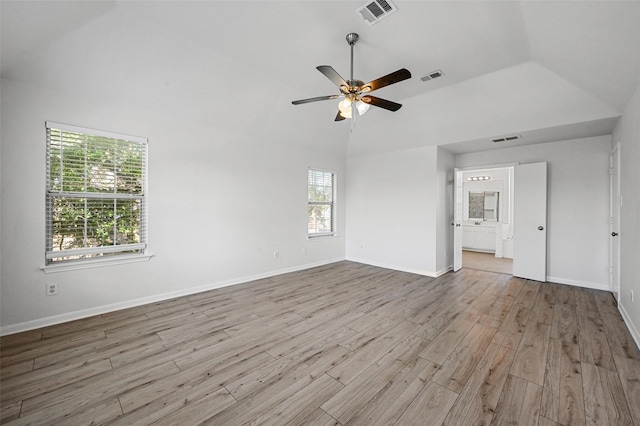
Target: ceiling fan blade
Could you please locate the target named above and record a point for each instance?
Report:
(316, 99)
(339, 117)
(394, 77)
(381, 103)
(332, 75)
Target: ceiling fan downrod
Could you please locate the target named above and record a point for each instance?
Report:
(352, 38)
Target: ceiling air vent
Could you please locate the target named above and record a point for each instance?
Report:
(506, 138)
(432, 75)
(374, 11)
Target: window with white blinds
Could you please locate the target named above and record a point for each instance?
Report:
(95, 194)
(321, 198)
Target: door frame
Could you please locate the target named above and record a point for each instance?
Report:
(457, 219)
(615, 202)
(458, 193)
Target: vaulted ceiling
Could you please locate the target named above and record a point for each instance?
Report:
(545, 70)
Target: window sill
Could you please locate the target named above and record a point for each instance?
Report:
(320, 236)
(95, 263)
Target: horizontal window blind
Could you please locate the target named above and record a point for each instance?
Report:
(95, 195)
(321, 188)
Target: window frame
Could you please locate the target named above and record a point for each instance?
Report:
(100, 255)
(331, 204)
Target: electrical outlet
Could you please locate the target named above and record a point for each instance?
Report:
(276, 254)
(52, 289)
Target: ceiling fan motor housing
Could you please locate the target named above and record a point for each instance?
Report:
(354, 86)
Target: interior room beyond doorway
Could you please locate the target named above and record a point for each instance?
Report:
(486, 262)
(487, 219)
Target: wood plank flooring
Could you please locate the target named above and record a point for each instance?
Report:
(486, 262)
(341, 344)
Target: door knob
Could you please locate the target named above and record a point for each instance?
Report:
(540, 228)
(614, 234)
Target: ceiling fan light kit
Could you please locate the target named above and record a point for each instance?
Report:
(345, 108)
(356, 92)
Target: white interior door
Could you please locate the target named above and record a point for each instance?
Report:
(530, 222)
(457, 220)
(615, 201)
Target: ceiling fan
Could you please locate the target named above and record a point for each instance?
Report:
(356, 92)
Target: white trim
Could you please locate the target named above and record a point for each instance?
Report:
(630, 325)
(320, 235)
(614, 159)
(444, 271)
(333, 204)
(432, 274)
(52, 195)
(488, 167)
(95, 132)
(84, 313)
(576, 283)
(95, 250)
(94, 263)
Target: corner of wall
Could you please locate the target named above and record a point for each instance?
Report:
(627, 133)
(633, 330)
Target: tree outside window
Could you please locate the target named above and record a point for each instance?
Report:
(95, 194)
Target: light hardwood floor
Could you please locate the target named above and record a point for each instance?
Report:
(486, 262)
(342, 344)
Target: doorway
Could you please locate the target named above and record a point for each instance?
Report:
(485, 215)
(527, 202)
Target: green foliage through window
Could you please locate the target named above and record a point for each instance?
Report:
(95, 194)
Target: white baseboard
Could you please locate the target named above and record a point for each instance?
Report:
(630, 325)
(98, 310)
(576, 283)
(401, 268)
(444, 271)
(633, 330)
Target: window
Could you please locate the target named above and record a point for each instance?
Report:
(321, 189)
(95, 197)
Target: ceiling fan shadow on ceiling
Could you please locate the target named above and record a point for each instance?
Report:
(356, 92)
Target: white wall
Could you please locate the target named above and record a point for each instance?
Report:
(220, 203)
(578, 204)
(504, 102)
(391, 210)
(213, 220)
(628, 133)
(444, 211)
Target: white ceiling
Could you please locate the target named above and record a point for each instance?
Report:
(544, 70)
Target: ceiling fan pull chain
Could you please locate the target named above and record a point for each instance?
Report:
(354, 115)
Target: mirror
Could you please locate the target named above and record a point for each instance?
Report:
(491, 206)
(476, 205)
(483, 206)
